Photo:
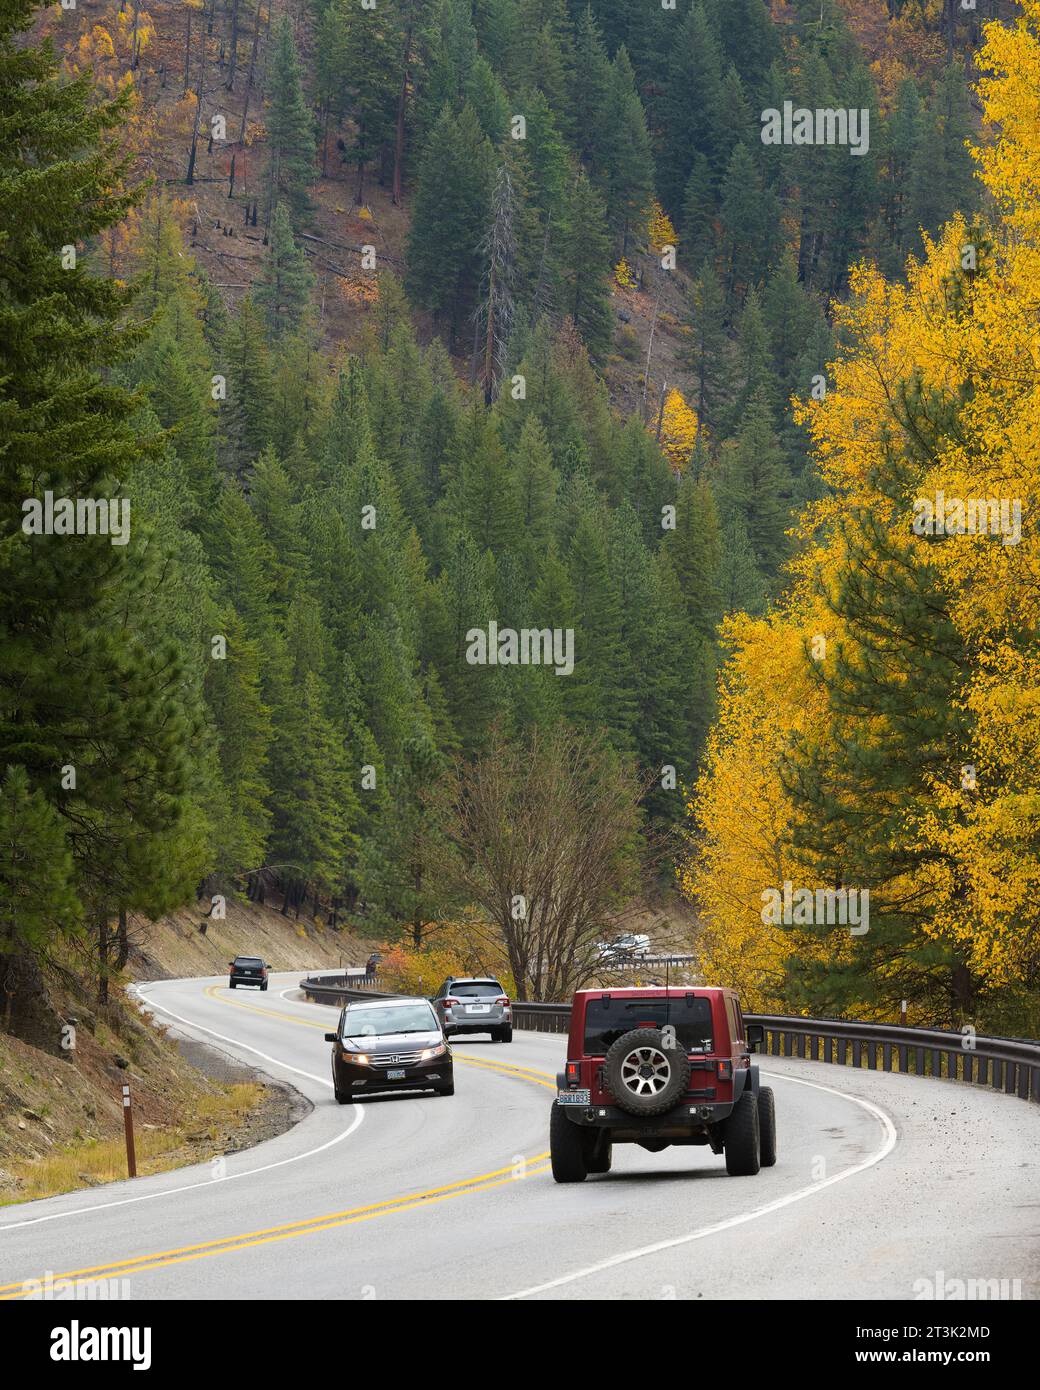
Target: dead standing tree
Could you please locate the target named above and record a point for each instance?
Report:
(544, 843)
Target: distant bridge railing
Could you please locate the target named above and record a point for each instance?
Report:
(1011, 1065)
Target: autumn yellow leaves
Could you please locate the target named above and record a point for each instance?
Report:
(881, 728)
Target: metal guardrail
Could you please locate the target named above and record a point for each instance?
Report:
(1006, 1064)
(347, 985)
(1011, 1065)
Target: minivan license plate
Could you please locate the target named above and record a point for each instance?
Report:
(574, 1097)
(397, 1074)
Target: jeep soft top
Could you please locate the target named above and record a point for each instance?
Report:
(660, 1066)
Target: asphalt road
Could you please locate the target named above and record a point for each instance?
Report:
(886, 1187)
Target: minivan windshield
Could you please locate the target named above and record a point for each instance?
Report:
(369, 1020)
(607, 1019)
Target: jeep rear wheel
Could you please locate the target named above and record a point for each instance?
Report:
(646, 1071)
(766, 1126)
(601, 1154)
(567, 1148)
(742, 1138)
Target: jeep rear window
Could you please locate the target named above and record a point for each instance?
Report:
(607, 1019)
(476, 989)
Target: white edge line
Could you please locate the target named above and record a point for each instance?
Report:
(887, 1127)
(209, 1182)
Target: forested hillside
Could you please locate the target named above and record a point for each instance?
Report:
(390, 323)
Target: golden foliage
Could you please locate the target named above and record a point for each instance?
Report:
(661, 232)
(970, 336)
(452, 948)
(678, 429)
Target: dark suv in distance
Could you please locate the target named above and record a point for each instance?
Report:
(248, 970)
(389, 1045)
(476, 1004)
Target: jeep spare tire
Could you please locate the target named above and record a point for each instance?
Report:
(646, 1071)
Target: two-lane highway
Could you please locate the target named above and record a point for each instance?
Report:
(883, 1182)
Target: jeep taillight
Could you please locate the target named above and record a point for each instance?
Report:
(573, 1073)
(725, 1069)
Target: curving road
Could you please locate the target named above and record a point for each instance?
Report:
(885, 1188)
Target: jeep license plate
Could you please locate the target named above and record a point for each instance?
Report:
(397, 1074)
(574, 1097)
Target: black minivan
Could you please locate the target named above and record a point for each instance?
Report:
(389, 1045)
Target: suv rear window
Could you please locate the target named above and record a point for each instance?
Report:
(607, 1019)
(251, 962)
(475, 989)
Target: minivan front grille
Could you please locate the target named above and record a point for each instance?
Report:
(396, 1059)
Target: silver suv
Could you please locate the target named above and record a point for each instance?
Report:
(476, 1004)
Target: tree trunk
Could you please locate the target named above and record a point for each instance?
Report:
(133, 37)
(102, 983)
(402, 103)
(122, 942)
(190, 179)
(252, 72)
(233, 44)
(962, 991)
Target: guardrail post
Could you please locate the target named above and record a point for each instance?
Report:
(128, 1130)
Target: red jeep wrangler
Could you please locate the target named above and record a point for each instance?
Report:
(656, 1067)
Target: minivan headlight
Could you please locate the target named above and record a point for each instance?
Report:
(359, 1058)
(437, 1051)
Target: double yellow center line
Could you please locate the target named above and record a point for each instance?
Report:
(410, 1201)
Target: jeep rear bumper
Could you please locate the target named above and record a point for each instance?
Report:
(688, 1117)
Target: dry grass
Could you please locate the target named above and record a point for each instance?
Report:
(100, 1161)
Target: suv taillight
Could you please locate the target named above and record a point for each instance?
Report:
(573, 1073)
(502, 999)
(725, 1069)
(448, 1002)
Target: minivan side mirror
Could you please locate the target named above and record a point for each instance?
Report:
(331, 1037)
(756, 1035)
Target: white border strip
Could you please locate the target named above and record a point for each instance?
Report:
(888, 1129)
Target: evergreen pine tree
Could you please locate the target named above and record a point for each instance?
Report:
(290, 128)
(584, 262)
(449, 218)
(286, 282)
